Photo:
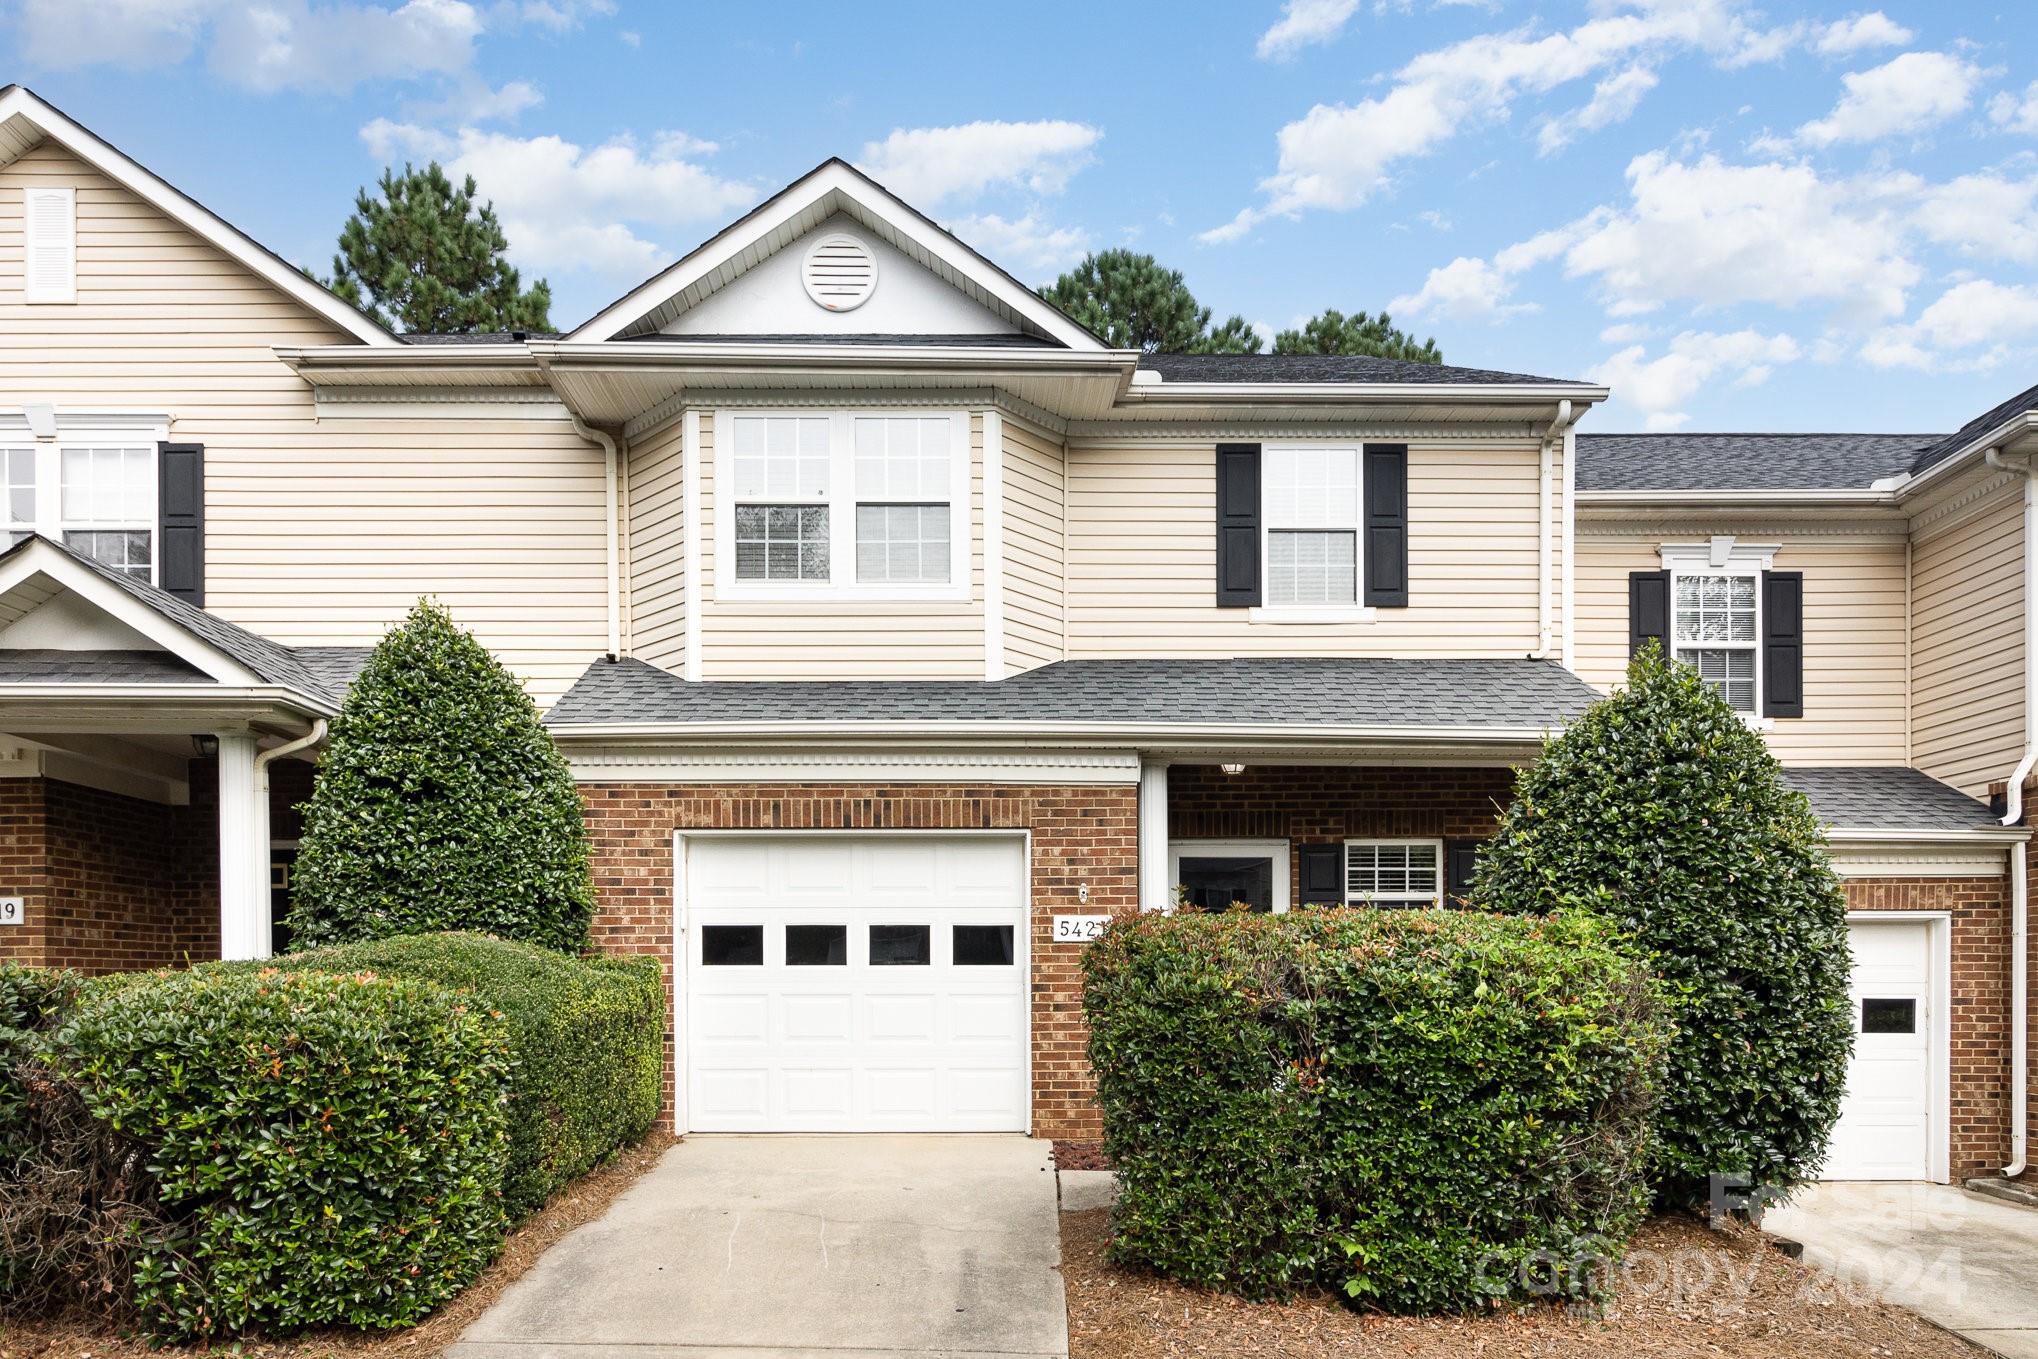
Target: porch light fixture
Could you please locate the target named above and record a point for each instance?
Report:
(206, 746)
(1232, 768)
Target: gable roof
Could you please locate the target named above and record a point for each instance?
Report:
(26, 120)
(1743, 462)
(2023, 403)
(834, 186)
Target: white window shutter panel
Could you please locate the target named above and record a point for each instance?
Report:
(50, 232)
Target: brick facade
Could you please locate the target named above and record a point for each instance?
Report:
(1082, 835)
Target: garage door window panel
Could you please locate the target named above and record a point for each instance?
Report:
(901, 945)
(982, 945)
(817, 946)
(732, 945)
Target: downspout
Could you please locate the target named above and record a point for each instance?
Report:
(1545, 533)
(611, 501)
(2013, 814)
(263, 759)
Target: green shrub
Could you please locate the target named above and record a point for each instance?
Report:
(1662, 810)
(588, 1036)
(441, 804)
(32, 1000)
(1411, 1106)
(329, 1148)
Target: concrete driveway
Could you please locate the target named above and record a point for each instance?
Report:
(1968, 1263)
(798, 1247)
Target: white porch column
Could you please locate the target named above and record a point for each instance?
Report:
(1156, 893)
(243, 852)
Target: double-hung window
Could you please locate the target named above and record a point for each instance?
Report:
(1394, 872)
(1311, 525)
(95, 493)
(1714, 622)
(848, 505)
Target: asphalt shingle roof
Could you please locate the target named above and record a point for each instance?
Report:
(1886, 798)
(1471, 694)
(1325, 368)
(48, 665)
(334, 667)
(1743, 462)
(1938, 450)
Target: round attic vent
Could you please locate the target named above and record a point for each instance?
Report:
(840, 273)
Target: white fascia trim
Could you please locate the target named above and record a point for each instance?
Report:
(991, 362)
(2010, 431)
(39, 558)
(1784, 497)
(868, 197)
(1149, 733)
(1981, 835)
(623, 765)
(200, 221)
(1348, 393)
(118, 705)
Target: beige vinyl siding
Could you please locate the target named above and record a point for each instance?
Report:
(1034, 489)
(317, 532)
(1854, 696)
(657, 546)
(1967, 640)
(1142, 559)
(842, 639)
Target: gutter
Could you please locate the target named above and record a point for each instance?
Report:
(2013, 814)
(1038, 730)
(612, 526)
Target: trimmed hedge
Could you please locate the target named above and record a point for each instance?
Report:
(441, 804)
(330, 1148)
(588, 1036)
(32, 1000)
(1663, 811)
(1414, 1107)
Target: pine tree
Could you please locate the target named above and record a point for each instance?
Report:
(1332, 332)
(1134, 303)
(441, 804)
(424, 258)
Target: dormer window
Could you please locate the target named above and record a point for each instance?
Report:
(848, 505)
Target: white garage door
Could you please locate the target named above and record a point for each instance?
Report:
(855, 984)
(1885, 1129)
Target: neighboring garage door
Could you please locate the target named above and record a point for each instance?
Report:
(1885, 1130)
(855, 983)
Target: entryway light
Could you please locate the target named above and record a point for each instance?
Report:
(1232, 768)
(206, 746)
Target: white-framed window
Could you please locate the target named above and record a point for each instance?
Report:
(849, 504)
(1309, 509)
(1213, 875)
(1716, 616)
(1394, 872)
(92, 490)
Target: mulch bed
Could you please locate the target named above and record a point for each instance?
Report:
(1080, 1156)
(1688, 1292)
(580, 1202)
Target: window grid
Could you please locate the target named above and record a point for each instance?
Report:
(17, 466)
(1715, 628)
(782, 542)
(1310, 507)
(1393, 870)
(902, 543)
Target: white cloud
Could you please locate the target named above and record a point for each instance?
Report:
(1465, 288)
(63, 34)
(559, 16)
(1662, 386)
(1981, 215)
(2016, 113)
(1614, 100)
(1978, 314)
(1860, 31)
(1338, 155)
(929, 165)
(1914, 92)
(1304, 23)
(1626, 332)
(1024, 243)
(565, 207)
(286, 44)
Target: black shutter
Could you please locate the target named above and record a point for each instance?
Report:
(1322, 874)
(180, 521)
(1461, 858)
(1238, 526)
(1783, 643)
(1386, 519)
(1648, 610)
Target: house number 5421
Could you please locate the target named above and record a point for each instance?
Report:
(1079, 929)
(11, 911)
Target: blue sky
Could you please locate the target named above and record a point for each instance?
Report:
(1779, 217)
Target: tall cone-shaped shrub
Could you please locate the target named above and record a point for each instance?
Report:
(441, 804)
(1663, 810)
